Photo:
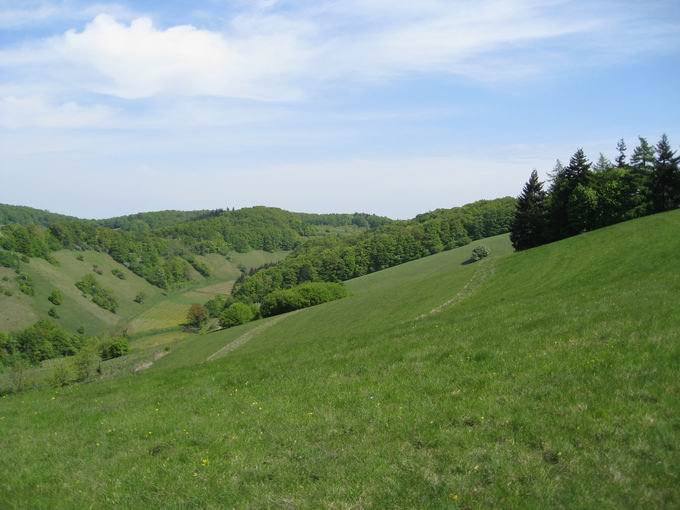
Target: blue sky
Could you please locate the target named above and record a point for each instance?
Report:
(387, 106)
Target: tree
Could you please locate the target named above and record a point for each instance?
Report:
(621, 158)
(564, 183)
(197, 316)
(603, 164)
(237, 313)
(643, 156)
(665, 185)
(529, 226)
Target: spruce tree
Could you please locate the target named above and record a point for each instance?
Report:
(621, 158)
(529, 226)
(603, 164)
(564, 183)
(665, 179)
(643, 156)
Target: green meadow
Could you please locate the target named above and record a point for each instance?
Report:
(547, 378)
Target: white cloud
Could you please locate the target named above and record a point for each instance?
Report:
(269, 53)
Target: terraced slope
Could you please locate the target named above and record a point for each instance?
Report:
(549, 380)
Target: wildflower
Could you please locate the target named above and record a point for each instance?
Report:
(205, 462)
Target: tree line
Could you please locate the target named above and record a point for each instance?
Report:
(583, 196)
(163, 256)
(335, 258)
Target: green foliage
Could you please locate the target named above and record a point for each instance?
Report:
(62, 375)
(56, 297)
(118, 274)
(80, 257)
(97, 270)
(301, 296)
(52, 312)
(140, 297)
(216, 305)
(114, 348)
(9, 259)
(531, 216)
(479, 252)
(25, 283)
(336, 259)
(199, 266)
(86, 362)
(581, 200)
(197, 316)
(236, 314)
(43, 340)
(90, 286)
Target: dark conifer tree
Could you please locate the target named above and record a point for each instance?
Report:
(529, 226)
(564, 183)
(665, 180)
(621, 158)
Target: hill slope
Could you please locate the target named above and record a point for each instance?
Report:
(549, 379)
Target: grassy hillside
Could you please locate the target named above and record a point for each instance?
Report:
(547, 378)
(161, 310)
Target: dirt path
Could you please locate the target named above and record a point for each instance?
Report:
(248, 336)
(485, 270)
(148, 364)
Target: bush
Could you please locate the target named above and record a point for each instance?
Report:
(96, 269)
(140, 297)
(197, 316)
(236, 314)
(118, 274)
(479, 253)
(115, 348)
(9, 259)
(61, 376)
(56, 297)
(25, 283)
(90, 286)
(80, 257)
(302, 296)
(52, 312)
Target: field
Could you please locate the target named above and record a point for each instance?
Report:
(543, 379)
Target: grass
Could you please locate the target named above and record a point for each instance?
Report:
(161, 310)
(551, 380)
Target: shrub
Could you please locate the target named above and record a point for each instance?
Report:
(118, 274)
(197, 316)
(302, 296)
(140, 297)
(479, 253)
(114, 348)
(236, 314)
(52, 312)
(86, 362)
(25, 283)
(9, 259)
(96, 269)
(80, 257)
(61, 376)
(56, 297)
(90, 286)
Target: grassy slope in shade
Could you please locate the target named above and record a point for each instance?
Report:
(552, 382)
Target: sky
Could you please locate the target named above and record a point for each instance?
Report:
(393, 107)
